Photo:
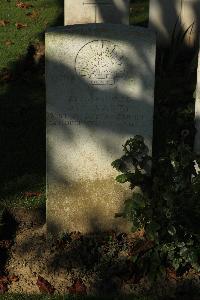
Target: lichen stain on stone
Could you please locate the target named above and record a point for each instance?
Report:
(87, 206)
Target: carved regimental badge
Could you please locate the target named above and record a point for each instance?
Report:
(100, 62)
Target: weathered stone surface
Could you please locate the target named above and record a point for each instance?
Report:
(164, 15)
(100, 91)
(96, 11)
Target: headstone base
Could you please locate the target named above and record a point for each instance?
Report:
(90, 206)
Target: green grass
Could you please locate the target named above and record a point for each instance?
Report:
(47, 12)
(139, 12)
(22, 105)
(17, 192)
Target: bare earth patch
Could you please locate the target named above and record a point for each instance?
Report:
(101, 261)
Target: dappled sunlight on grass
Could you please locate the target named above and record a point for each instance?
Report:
(37, 18)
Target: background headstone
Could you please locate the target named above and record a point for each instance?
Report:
(163, 16)
(96, 11)
(100, 92)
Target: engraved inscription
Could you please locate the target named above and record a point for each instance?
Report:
(100, 62)
(63, 120)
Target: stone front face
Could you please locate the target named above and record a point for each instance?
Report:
(197, 111)
(96, 11)
(163, 17)
(100, 90)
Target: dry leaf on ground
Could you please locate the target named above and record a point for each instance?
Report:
(34, 14)
(20, 25)
(13, 278)
(45, 286)
(8, 43)
(8, 278)
(171, 274)
(4, 22)
(4, 279)
(23, 5)
(78, 288)
(32, 194)
(3, 287)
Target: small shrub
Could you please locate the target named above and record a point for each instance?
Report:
(165, 203)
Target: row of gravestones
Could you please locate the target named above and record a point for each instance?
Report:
(163, 16)
(100, 92)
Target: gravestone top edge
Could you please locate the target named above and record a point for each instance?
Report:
(100, 26)
(119, 28)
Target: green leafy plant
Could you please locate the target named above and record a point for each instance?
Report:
(165, 203)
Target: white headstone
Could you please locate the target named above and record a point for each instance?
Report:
(163, 16)
(100, 92)
(96, 11)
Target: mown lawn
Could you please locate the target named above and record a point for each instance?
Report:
(41, 14)
(22, 94)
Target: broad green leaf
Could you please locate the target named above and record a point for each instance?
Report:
(116, 164)
(124, 178)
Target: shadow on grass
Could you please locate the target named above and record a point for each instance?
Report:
(23, 115)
